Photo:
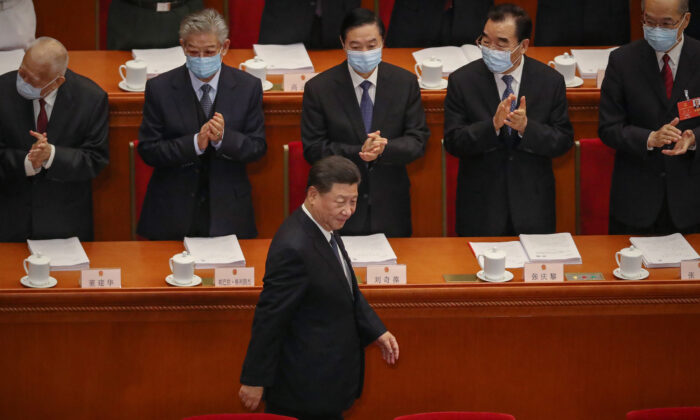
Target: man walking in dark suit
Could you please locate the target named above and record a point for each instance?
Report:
(202, 123)
(53, 142)
(505, 184)
(371, 113)
(656, 181)
(312, 322)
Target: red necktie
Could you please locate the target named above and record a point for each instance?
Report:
(42, 121)
(667, 75)
(448, 4)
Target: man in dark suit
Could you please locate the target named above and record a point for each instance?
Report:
(202, 123)
(505, 184)
(656, 181)
(371, 113)
(53, 142)
(313, 22)
(312, 322)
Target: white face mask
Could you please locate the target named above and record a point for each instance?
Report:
(28, 91)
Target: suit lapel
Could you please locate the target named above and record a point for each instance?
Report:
(345, 93)
(227, 83)
(62, 110)
(382, 98)
(684, 74)
(650, 67)
(186, 106)
(488, 89)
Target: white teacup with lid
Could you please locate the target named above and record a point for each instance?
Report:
(494, 263)
(430, 74)
(255, 66)
(182, 266)
(566, 65)
(630, 262)
(37, 267)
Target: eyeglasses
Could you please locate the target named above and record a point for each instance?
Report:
(209, 52)
(500, 46)
(665, 24)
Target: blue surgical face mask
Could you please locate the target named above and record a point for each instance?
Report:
(28, 91)
(364, 61)
(661, 39)
(203, 67)
(496, 60)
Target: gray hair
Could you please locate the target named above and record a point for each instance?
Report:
(51, 52)
(682, 6)
(203, 21)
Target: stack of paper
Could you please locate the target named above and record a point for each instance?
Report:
(10, 60)
(664, 251)
(515, 254)
(369, 250)
(590, 61)
(65, 254)
(282, 59)
(222, 251)
(160, 60)
(452, 57)
(556, 247)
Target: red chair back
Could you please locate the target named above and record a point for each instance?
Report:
(450, 168)
(244, 22)
(385, 9)
(251, 416)
(595, 164)
(139, 174)
(104, 13)
(671, 413)
(296, 174)
(457, 415)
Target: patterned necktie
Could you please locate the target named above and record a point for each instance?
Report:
(42, 120)
(366, 105)
(206, 100)
(334, 245)
(508, 79)
(667, 75)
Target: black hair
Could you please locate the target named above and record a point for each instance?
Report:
(360, 17)
(523, 23)
(332, 170)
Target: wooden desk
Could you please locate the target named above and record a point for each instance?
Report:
(282, 125)
(563, 351)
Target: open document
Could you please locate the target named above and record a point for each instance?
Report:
(160, 60)
(369, 250)
(664, 251)
(65, 254)
(589, 61)
(515, 254)
(555, 247)
(10, 60)
(221, 251)
(283, 59)
(452, 57)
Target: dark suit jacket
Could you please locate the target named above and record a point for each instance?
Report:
(494, 179)
(582, 22)
(290, 21)
(633, 103)
(56, 203)
(309, 331)
(166, 142)
(331, 124)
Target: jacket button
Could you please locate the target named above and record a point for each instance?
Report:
(365, 195)
(510, 157)
(662, 174)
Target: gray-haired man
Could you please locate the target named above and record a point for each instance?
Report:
(202, 123)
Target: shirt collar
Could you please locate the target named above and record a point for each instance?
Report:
(357, 79)
(325, 232)
(674, 54)
(50, 99)
(517, 73)
(197, 84)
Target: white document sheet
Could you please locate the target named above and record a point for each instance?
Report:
(555, 247)
(221, 251)
(282, 59)
(664, 251)
(10, 60)
(589, 61)
(452, 57)
(160, 60)
(515, 254)
(66, 254)
(369, 250)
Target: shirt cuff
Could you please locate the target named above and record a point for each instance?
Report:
(196, 145)
(649, 148)
(49, 161)
(692, 147)
(29, 168)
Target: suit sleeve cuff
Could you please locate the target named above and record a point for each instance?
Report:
(196, 145)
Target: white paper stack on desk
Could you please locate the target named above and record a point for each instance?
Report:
(452, 57)
(589, 61)
(10, 60)
(283, 59)
(554, 248)
(664, 251)
(160, 60)
(369, 250)
(65, 254)
(221, 251)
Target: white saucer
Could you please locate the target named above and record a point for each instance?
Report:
(196, 281)
(576, 82)
(50, 283)
(507, 276)
(267, 85)
(123, 86)
(641, 276)
(442, 85)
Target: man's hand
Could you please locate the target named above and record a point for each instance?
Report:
(517, 120)
(205, 136)
(216, 125)
(665, 135)
(373, 146)
(682, 145)
(40, 151)
(502, 112)
(250, 396)
(389, 346)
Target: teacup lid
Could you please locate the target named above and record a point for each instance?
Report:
(256, 63)
(565, 58)
(183, 258)
(432, 62)
(136, 63)
(495, 253)
(39, 259)
(632, 251)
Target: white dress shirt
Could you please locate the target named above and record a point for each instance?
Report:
(197, 86)
(357, 80)
(515, 84)
(49, 100)
(327, 234)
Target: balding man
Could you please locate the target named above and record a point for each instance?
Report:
(53, 142)
(656, 181)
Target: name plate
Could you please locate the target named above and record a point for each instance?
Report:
(101, 278)
(296, 82)
(690, 270)
(386, 274)
(234, 277)
(544, 272)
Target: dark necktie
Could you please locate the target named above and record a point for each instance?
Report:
(42, 120)
(334, 245)
(366, 105)
(206, 100)
(667, 75)
(508, 79)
